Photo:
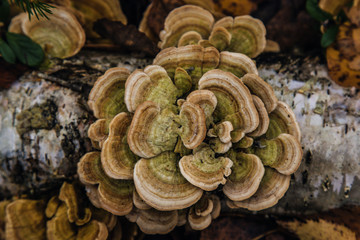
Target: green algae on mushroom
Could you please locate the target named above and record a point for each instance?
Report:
(60, 36)
(113, 195)
(205, 171)
(160, 184)
(272, 187)
(116, 157)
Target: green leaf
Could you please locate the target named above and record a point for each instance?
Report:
(6, 52)
(4, 11)
(26, 50)
(313, 9)
(329, 36)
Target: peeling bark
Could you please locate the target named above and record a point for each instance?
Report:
(42, 157)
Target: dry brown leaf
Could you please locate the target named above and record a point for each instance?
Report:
(321, 229)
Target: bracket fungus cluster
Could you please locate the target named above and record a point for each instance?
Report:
(60, 36)
(191, 24)
(195, 121)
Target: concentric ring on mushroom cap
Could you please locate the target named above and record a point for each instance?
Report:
(152, 221)
(113, 195)
(284, 153)
(184, 19)
(150, 84)
(245, 177)
(159, 183)
(272, 187)
(234, 101)
(116, 158)
(247, 35)
(205, 171)
(61, 35)
(152, 130)
(283, 120)
(106, 98)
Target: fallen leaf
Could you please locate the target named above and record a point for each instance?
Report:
(319, 229)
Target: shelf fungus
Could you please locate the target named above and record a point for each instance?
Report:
(204, 211)
(194, 120)
(71, 218)
(60, 36)
(190, 24)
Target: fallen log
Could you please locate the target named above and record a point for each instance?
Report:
(44, 121)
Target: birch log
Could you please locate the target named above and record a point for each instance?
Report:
(44, 120)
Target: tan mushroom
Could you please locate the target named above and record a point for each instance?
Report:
(242, 34)
(106, 98)
(152, 221)
(184, 19)
(263, 118)
(99, 131)
(283, 120)
(69, 197)
(222, 130)
(284, 153)
(160, 184)
(116, 158)
(113, 195)
(261, 89)
(202, 213)
(234, 101)
(25, 219)
(237, 63)
(154, 130)
(218, 146)
(245, 176)
(60, 36)
(272, 187)
(204, 170)
(194, 59)
(139, 203)
(152, 84)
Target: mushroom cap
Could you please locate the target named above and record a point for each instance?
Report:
(93, 230)
(261, 89)
(272, 187)
(189, 38)
(152, 84)
(61, 35)
(234, 101)
(205, 99)
(106, 98)
(247, 35)
(139, 203)
(98, 131)
(237, 63)
(284, 153)
(152, 130)
(283, 120)
(245, 177)
(193, 125)
(194, 59)
(52, 206)
(160, 184)
(93, 10)
(202, 213)
(264, 120)
(25, 219)
(113, 195)
(116, 158)
(70, 198)
(152, 221)
(59, 226)
(218, 146)
(184, 19)
(204, 170)
(223, 131)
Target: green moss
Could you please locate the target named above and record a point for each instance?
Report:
(38, 117)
